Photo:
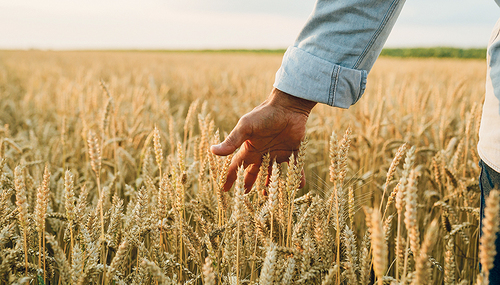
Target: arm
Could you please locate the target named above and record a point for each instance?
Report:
(335, 50)
(327, 64)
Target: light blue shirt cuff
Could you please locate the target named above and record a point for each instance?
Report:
(309, 77)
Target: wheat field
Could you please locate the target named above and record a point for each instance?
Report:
(106, 175)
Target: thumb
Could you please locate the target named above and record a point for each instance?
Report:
(237, 136)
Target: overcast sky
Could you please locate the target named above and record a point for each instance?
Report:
(195, 24)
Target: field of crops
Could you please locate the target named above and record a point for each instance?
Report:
(107, 178)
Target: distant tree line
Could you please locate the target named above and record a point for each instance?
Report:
(440, 52)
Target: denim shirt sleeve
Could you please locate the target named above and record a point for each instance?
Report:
(330, 60)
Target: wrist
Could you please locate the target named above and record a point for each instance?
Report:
(285, 100)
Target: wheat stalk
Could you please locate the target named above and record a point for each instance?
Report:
(238, 213)
(22, 208)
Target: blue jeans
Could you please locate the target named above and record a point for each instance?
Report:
(489, 180)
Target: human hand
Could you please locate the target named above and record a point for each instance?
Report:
(277, 126)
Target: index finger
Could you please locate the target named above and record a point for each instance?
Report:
(244, 157)
(238, 135)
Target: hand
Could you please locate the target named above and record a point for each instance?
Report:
(277, 126)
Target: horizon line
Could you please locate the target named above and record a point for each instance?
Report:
(271, 50)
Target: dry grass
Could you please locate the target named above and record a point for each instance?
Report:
(131, 194)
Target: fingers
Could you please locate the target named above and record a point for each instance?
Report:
(242, 157)
(237, 136)
(232, 170)
(250, 176)
(231, 176)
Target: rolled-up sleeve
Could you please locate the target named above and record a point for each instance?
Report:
(330, 60)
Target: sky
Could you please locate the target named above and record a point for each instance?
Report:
(220, 24)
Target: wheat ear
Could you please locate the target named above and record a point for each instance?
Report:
(273, 195)
(449, 263)
(333, 151)
(41, 212)
(422, 263)
(400, 202)
(158, 149)
(114, 268)
(208, 272)
(267, 273)
(487, 249)
(379, 247)
(351, 262)
(95, 162)
(221, 203)
(188, 123)
(262, 176)
(392, 169)
(411, 217)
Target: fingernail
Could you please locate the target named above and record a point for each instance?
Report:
(214, 147)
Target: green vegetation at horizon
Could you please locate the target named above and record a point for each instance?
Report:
(438, 52)
(434, 52)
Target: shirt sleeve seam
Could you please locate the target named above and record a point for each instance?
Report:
(362, 86)
(384, 22)
(336, 72)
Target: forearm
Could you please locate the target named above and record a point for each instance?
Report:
(336, 49)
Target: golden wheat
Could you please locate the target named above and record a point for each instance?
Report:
(141, 201)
